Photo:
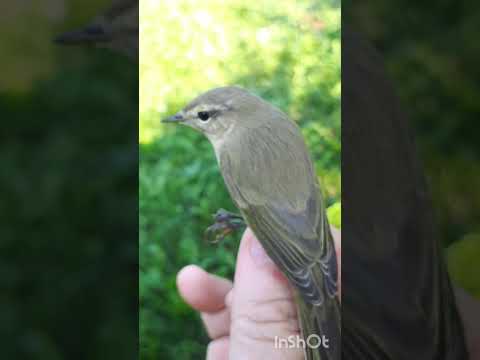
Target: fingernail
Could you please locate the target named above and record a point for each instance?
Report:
(258, 254)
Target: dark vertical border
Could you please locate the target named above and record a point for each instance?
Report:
(397, 298)
(69, 181)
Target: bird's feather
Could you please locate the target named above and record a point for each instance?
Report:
(276, 190)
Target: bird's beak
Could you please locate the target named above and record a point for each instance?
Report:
(88, 34)
(177, 118)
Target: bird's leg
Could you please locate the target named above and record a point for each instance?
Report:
(225, 224)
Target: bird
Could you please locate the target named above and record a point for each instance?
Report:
(116, 29)
(271, 179)
(397, 298)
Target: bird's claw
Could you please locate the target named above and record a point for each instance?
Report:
(225, 224)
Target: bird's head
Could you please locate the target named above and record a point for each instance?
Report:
(223, 111)
(116, 29)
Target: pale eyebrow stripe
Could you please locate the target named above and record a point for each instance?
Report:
(193, 108)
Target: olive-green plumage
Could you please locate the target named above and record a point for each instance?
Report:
(271, 179)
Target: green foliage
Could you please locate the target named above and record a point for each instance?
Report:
(288, 52)
(463, 263)
(68, 149)
(334, 214)
(69, 236)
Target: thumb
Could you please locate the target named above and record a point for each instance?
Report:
(262, 307)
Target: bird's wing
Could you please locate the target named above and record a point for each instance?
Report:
(312, 271)
(276, 190)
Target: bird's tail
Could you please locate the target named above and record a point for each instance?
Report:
(321, 329)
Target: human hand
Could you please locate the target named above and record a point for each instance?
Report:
(244, 318)
(241, 322)
(469, 309)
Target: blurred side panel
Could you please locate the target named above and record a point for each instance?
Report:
(69, 184)
(409, 164)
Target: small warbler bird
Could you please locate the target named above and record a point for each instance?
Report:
(270, 176)
(397, 298)
(116, 29)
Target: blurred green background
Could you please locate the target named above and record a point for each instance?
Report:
(68, 151)
(288, 52)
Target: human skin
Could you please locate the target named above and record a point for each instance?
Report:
(240, 319)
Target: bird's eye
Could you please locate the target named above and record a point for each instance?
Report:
(203, 115)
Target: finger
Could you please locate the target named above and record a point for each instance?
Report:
(262, 305)
(257, 278)
(203, 291)
(218, 349)
(217, 324)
